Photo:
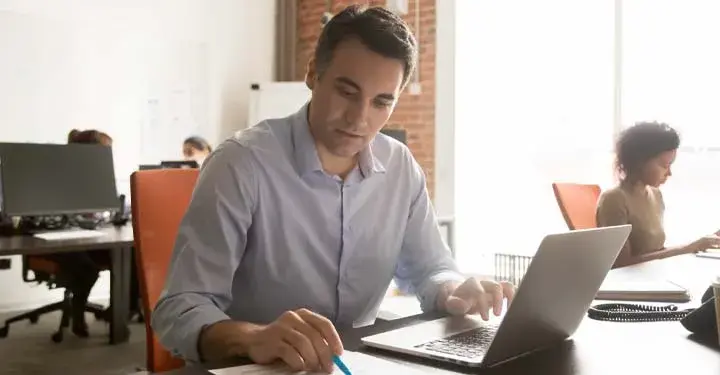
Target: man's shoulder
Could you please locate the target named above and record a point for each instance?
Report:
(247, 144)
(392, 153)
(267, 133)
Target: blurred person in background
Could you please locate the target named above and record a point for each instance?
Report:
(197, 149)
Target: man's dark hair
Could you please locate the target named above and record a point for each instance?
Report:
(379, 29)
(642, 142)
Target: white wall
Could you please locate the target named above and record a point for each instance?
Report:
(445, 108)
(149, 73)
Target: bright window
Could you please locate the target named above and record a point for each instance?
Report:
(534, 104)
(543, 88)
(671, 73)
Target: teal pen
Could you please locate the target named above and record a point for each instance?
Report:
(339, 363)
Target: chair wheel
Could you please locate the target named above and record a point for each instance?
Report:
(4, 332)
(33, 319)
(57, 337)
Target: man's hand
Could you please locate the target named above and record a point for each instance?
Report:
(305, 341)
(478, 297)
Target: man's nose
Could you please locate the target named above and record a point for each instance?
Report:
(357, 114)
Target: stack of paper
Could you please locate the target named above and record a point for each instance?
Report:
(642, 290)
(358, 363)
(712, 253)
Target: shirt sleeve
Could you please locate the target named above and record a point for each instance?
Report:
(209, 246)
(425, 261)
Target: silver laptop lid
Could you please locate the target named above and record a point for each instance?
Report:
(556, 291)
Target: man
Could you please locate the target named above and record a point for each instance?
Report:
(298, 225)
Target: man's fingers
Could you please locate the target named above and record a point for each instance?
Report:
(290, 356)
(469, 298)
(304, 347)
(457, 306)
(509, 291)
(325, 328)
(475, 294)
(322, 348)
(496, 291)
(482, 305)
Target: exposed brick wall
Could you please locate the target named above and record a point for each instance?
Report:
(414, 113)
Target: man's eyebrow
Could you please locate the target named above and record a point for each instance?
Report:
(351, 83)
(387, 96)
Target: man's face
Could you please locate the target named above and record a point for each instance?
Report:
(353, 98)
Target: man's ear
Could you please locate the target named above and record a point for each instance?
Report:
(310, 74)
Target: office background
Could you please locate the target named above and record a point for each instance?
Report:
(551, 104)
(505, 101)
(148, 74)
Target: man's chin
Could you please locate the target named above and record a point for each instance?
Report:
(344, 153)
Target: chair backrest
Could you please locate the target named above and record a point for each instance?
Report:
(577, 203)
(159, 200)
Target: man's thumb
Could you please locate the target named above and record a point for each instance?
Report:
(456, 305)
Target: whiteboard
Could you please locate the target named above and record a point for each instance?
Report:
(275, 99)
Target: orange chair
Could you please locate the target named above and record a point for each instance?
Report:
(577, 203)
(159, 200)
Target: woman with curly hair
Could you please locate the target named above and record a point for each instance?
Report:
(644, 154)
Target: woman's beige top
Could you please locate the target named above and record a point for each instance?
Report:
(643, 207)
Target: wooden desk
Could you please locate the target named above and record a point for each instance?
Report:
(119, 240)
(597, 348)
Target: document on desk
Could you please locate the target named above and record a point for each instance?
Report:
(358, 363)
(709, 254)
(642, 290)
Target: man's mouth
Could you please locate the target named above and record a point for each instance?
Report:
(348, 134)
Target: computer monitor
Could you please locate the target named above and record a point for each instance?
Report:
(398, 134)
(55, 179)
(179, 164)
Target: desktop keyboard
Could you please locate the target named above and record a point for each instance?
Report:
(468, 344)
(68, 234)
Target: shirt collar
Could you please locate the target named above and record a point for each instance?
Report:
(305, 152)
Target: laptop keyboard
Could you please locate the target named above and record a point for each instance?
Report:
(468, 344)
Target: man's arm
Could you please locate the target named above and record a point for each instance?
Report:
(209, 246)
(425, 262)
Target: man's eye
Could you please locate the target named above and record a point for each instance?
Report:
(346, 92)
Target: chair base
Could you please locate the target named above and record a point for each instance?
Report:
(65, 306)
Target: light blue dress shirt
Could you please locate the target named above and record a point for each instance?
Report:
(268, 231)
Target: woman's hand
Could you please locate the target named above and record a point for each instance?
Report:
(711, 241)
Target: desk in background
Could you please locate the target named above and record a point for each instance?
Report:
(119, 240)
(597, 348)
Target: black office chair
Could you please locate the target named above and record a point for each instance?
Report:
(39, 269)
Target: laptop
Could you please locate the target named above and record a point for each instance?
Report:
(550, 302)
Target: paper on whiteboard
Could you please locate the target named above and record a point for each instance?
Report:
(275, 100)
(358, 363)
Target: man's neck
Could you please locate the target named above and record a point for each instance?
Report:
(335, 165)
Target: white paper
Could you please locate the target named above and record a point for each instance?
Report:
(358, 363)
